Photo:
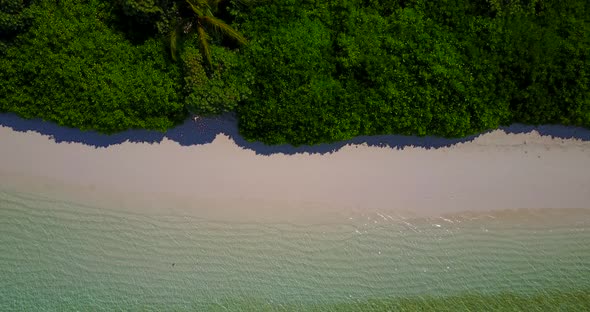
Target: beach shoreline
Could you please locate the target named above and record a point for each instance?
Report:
(166, 226)
(222, 180)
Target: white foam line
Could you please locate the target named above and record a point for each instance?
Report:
(382, 216)
(447, 220)
(411, 226)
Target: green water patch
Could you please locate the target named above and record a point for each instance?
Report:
(549, 301)
(60, 256)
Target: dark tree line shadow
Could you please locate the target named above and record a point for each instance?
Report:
(204, 131)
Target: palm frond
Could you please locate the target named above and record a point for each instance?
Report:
(198, 5)
(173, 42)
(225, 28)
(204, 40)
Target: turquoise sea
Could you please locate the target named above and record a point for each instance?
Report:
(62, 256)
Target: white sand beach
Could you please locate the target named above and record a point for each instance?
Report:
(221, 179)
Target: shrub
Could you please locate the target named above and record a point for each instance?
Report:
(221, 90)
(71, 68)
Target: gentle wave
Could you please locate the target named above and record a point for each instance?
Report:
(58, 255)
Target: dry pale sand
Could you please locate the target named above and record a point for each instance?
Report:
(221, 179)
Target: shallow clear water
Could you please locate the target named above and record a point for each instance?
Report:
(56, 256)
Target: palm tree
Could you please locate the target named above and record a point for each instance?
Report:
(197, 15)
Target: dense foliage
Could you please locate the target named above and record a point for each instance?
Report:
(13, 17)
(71, 68)
(328, 71)
(83, 64)
(312, 71)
